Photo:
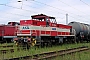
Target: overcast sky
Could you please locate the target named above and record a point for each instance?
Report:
(77, 10)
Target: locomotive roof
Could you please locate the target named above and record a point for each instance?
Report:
(41, 16)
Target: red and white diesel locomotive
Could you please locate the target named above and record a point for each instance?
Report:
(43, 30)
(8, 32)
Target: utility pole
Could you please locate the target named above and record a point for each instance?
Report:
(66, 19)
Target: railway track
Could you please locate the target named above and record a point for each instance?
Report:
(6, 46)
(6, 51)
(48, 55)
(11, 50)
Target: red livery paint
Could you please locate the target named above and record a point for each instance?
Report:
(8, 32)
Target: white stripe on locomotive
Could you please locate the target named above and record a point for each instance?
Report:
(31, 27)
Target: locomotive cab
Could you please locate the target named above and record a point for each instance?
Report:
(47, 19)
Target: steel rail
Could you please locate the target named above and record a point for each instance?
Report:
(51, 54)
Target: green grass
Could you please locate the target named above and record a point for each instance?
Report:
(34, 50)
(85, 55)
(7, 48)
(7, 44)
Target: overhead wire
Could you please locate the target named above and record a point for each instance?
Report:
(9, 18)
(57, 9)
(45, 10)
(29, 10)
(52, 11)
(16, 14)
(17, 8)
(12, 13)
(70, 6)
(74, 8)
(52, 6)
(85, 3)
(63, 10)
(34, 11)
(38, 8)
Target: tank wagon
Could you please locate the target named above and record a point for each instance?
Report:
(8, 32)
(82, 31)
(43, 30)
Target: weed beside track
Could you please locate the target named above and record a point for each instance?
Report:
(20, 52)
(51, 54)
